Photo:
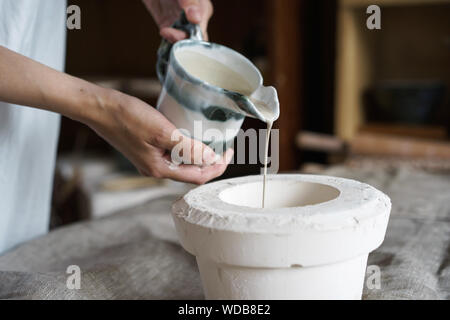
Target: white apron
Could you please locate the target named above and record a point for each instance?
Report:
(28, 137)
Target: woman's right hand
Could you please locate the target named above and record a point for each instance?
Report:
(147, 138)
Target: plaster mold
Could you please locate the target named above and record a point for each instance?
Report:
(311, 241)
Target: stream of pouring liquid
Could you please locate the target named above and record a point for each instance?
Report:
(267, 112)
(266, 151)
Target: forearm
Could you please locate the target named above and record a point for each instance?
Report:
(26, 82)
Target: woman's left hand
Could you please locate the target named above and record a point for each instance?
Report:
(165, 12)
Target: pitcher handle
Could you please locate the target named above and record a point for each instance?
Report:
(194, 33)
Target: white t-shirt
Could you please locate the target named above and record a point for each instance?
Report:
(28, 137)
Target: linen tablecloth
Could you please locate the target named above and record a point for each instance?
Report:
(135, 254)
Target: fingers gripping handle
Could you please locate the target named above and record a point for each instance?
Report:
(194, 33)
(193, 30)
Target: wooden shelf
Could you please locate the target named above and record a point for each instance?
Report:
(411, 45)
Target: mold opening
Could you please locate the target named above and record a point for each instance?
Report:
(279, 194)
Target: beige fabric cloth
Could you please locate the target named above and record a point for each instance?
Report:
(415, 256)
(135, 254)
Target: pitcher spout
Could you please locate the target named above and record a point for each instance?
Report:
(266, 106)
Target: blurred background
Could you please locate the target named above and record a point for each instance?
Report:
(347, 94)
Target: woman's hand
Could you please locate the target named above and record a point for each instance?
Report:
(136, 129)
(146, 138)
(165, 12)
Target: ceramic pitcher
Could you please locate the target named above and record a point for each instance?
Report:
(203, 111)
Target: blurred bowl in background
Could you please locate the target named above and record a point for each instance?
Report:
(404, 101)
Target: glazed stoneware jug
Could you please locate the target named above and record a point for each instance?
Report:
(200, 109)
